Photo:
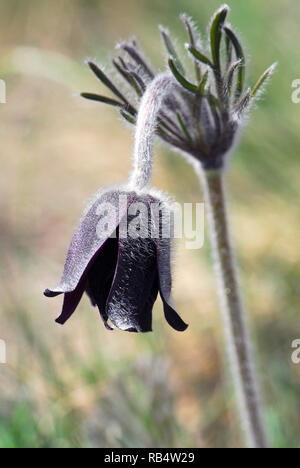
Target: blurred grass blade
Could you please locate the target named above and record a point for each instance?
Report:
(186, 84)
(216, 27)
(106, 81)
(240, 56)
(263, 79)
(184, 129)
(171, 49)
(103, 99)
(189, 27)
(202, 84)
(199, 56)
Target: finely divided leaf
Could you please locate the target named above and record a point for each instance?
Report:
(106, 81)
(241, 56)
(128, 77)
(199, 56)
(263, 79)
(104, 99)
(189, 26)
(243, 103)
(229, 77)
(128, 117)
(202, 84)
(216, 27)
(185, 83)
(171, 49)
(133, 51)
(184, 129)
(228, 45)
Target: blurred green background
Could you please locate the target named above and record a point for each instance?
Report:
(81, 386)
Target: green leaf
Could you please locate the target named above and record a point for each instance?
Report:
(103, 99)
(240, 56)
(263, 79)
(138, 81)
(229, 77)
(187, 22)
(216, 33)
(215, 113)
(202, 84)
(171, 49)
(215, 101)
(128, 117)
(165, 122)
(199, 56)
(243, 103)
(133, 51)
(228, 45)
(128, 77)
(106, 81)
(184, 129)
(189, 27)
(185, 83)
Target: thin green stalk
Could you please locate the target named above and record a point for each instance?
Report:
(234, 315)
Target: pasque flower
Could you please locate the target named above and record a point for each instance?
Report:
(120, 253)
(116, 260)
(201, 115)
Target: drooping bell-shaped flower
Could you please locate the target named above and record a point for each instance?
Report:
(202, 114)
(120, 257)
(120, 253)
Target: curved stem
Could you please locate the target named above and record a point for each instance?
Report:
(237, 332)
(145, 129)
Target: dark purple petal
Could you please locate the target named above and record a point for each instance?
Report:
(173, 318)
(101, 275)
(152, 296)
(165, 284)
(71, 301)
(89, 238)
(50, 293)
(135, 287)
(163, 222)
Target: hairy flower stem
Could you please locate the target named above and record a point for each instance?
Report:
(234, 316)
(145, 129)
